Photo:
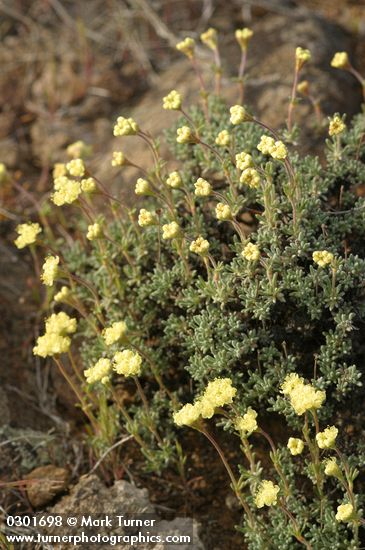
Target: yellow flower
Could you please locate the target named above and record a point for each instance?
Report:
(243, 36)
(266, 144)
(200, 246)
(118, 158)
(295, 446)
(223, 138)
(59, 169)
(185, 135)
(50, 270)
(146, 218)
(27, 234)
(247, 423)
(304, 397)
(322, 257)
(60, 323)
(66, 190)
(125, 127)
(238, 114)
(327, 438)
(303, 87)
(218, 393)
(302, 56)
(243, 161)
(173, 101)
(267, 494)
(223, 212)
(142, 187)
(202, 188)
(88, 185)
(93, 231)
(79, 149)
(250, 177)
(187, 47)
(210, 38)
(62, 295)
(171, 231)
(340, 60)
(345, 512)
(114, 333)
(127, 362)
(100, 372)
(336, 126)
(251, 252)
(279, 151)
(332, 469)
(76, 168)
(187, 415)
(51, 344)
(291, 381)
(174, 180)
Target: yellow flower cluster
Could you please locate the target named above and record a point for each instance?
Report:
(114, 333)
(185, 135)
(146, 218)
(302, 56)
(251, 252)
(322, 257)
(345, 512)
(268, 146)
(88, 185)
(247, 423)
(125, 127)
(243, 161)
(27, 234)
(76, 168)
(66, 190)
(127, 362)
(200, 246)
(93, 231)
(118, 158)
(223, 212)
(267, 495)
(142, 187)
(173, 101)
(50, 270)
(174, 180)
(218, 393)
(303, 397)
(59, 169)
(327, 438)
(303, 87)
(331, 468)
(100, 372)
(223, 138)
(250, 177)
(56, 339)
(187, 47)
(295, 446)
(243, 36)
(238, 114)
(79, 149)
(202, 188)
(62, 295)
(336, 126)
(171, 231)
(210, 38)
(340, 60)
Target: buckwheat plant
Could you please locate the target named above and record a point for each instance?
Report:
(233, 297)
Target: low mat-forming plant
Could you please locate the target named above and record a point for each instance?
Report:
(234, 296)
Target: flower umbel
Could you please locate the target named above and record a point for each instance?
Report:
(127, 362)
(27, 234)
(114, 333)
(327, 438)
(100, 372)
(267, 494)
(322, 257)
(295, 446)
(50, 270)
(173, 101)
(247, 423)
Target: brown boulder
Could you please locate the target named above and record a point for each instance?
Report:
(46, 483)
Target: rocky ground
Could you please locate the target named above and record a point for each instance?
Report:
(67, 82)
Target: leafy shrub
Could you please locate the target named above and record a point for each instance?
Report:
(238, 285)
